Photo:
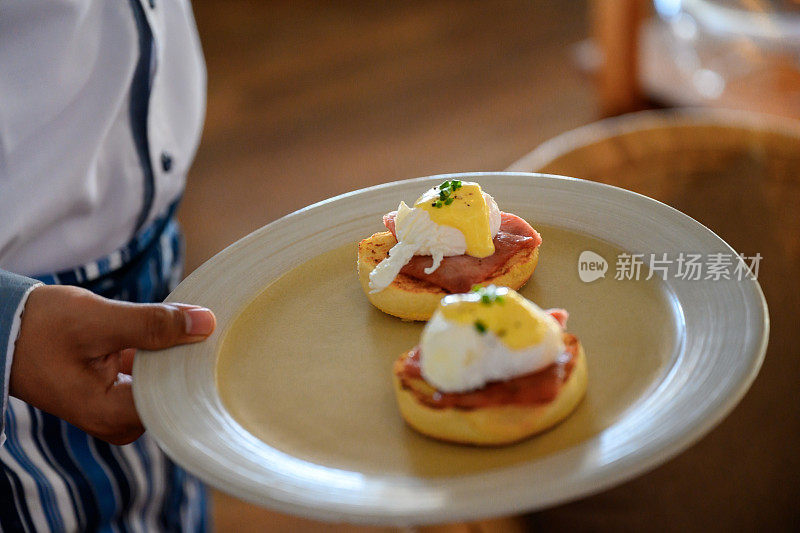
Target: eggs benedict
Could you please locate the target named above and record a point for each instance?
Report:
(491, 368)
(453, 237)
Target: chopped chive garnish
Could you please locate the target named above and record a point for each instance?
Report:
(445, 190)
(480, 326)
(488, 295)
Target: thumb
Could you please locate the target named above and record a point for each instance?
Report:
(156, 326)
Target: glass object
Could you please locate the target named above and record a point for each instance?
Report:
(732, 53)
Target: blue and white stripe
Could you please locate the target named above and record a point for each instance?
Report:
(55, 477)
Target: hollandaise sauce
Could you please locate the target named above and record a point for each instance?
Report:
(515, 321)
(461, 205)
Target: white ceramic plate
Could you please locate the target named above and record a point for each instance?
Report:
(668, 359)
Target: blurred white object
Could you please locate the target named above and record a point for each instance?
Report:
(729, 53)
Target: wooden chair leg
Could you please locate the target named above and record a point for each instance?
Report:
(615, 31)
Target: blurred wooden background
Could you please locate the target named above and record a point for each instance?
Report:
(307, 100)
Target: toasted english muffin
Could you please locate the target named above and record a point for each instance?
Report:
(491, 425)
(413, 299)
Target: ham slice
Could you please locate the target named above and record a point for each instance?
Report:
(560, 315)
(459, 273)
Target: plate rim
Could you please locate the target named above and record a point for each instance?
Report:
(619, 471)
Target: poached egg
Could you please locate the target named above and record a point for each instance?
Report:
(453, 218)
(490, 334)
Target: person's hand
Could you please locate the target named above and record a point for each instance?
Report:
(75, 350)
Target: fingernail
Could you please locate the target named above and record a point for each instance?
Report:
(199, 321)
